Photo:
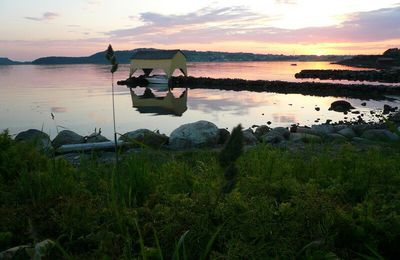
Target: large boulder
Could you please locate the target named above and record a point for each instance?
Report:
(275, 136)
(146, 137)
(341, 106)
(249, 138)
(67, 137)
(381, 135)
(347, 132)
(40, 139)
(194, 135)
(305, 138)
(223, 135)
(261, 130)
(323, 129)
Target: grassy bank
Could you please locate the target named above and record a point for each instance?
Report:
(318, 203)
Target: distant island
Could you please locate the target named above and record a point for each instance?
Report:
(7, 61)
(389, 59)
(192, 56)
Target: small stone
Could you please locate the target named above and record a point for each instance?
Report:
(363, 104)
(317, 109)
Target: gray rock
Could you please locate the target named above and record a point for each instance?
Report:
(337, 138)
(347, 132)
(223, 135)
(13, 252)
(305, 130)
(272, 137)
(261, 130)
(380, 135)
(361, 128)
(341, 106)
(43, 248)
(323, 129)
(305, 138)
(249, 138)
(282, 130)
(67, 137)
(194, 135)
(40, 139)
(359, 140)
(145, 137)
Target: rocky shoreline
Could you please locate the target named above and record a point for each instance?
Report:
(204, 134)
(384, 76)
(284, 87)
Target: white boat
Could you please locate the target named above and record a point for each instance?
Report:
(157, 79)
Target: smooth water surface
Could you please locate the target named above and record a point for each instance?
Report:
(79, 97)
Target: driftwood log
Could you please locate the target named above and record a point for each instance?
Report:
(85, 147)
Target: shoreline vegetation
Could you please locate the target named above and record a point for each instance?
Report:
(325, 191)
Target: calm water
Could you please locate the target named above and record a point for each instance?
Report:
(79, 96)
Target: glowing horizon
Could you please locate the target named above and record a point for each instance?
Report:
(84, 27)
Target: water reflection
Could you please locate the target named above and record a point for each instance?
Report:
(164, 104)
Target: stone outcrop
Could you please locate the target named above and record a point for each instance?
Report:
(67, 137)
(38, 138)
(145, 137)
(194, 135)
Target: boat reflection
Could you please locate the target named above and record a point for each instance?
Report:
(162, 104)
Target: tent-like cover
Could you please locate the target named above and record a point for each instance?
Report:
(167, 60)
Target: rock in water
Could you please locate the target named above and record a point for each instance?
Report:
(67, 137)
(194, 135)
(341, 106)
(146, 137)
(40, 139)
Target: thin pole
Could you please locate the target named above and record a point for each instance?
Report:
(115, 131)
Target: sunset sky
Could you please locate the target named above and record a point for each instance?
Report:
(34, 28)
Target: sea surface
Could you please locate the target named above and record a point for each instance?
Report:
(78, 97)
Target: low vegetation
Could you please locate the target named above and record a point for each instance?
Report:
(321, 203)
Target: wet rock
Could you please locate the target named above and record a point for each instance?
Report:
(381, 135)
(249, 138)
(356, 112)
(261, 130)
(341, 106)
(223, 135)
(269, 122)
(67, 137)
(305, 138)
(145, 137)
(38, 138)
(347, 132)
(194, 135)
(363, 104)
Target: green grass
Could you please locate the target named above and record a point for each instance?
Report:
(321, 203)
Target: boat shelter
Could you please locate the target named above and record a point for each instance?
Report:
(167, 60)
